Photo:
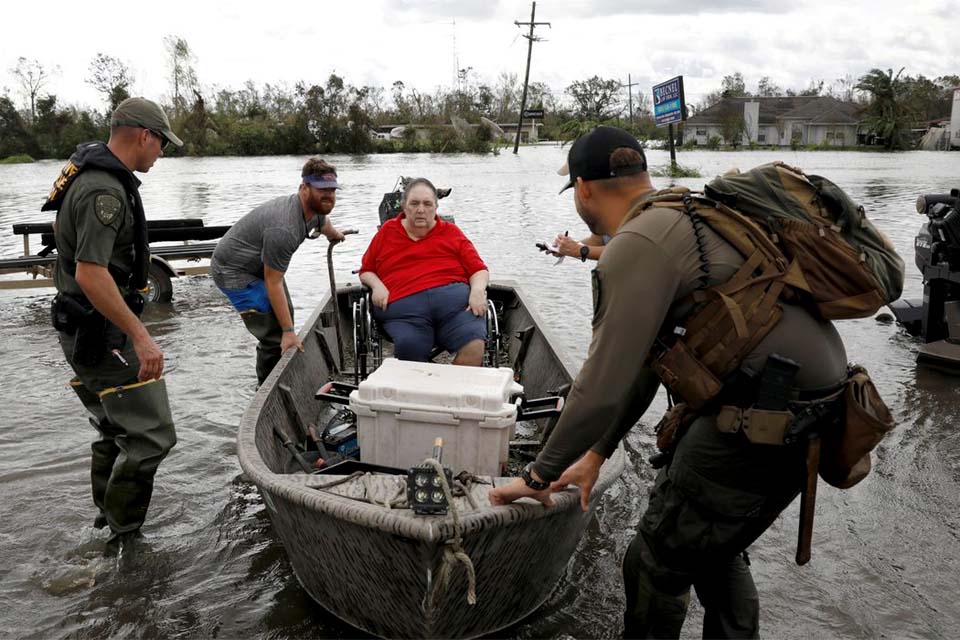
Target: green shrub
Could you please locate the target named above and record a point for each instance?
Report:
(714, 142)
(678, 171)
(17, 159)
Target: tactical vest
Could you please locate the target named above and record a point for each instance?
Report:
(96, 155)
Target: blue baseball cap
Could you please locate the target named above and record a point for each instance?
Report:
(326, 180)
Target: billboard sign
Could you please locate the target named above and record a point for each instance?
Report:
(533, 113)
(669, 105)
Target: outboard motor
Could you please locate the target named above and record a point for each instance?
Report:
(936, 318)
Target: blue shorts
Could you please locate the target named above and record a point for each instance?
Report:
(437, 316)
(253, 296)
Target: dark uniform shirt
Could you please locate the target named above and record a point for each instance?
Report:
(650, 265)
(94, 224)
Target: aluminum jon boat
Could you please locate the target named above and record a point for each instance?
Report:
(355, 546)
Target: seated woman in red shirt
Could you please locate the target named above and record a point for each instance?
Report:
(429, 285)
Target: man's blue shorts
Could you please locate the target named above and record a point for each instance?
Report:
(437, 316)
(253, 296)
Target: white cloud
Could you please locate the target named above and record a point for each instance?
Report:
(423, 42)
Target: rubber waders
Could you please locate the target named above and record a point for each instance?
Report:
(105, 450)
(267, 330)
(145, 435)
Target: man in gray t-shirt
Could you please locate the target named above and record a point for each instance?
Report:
(251, 259)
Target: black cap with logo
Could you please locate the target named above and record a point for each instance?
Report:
(589, 156)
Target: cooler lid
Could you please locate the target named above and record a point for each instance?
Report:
(425, 386)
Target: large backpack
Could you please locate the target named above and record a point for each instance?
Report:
(804, 241)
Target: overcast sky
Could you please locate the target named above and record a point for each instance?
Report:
(422, 42)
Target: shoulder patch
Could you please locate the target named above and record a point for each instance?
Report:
(107, 207)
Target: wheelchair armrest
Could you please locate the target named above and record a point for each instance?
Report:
(534, 408)
(335, 392)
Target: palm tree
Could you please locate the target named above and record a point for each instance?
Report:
(888, 114)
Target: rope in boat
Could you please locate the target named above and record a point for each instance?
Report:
(453, 551)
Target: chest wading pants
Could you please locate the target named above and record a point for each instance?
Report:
(269, 334)
(135, 430)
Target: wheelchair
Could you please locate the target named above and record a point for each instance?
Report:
(368, 338)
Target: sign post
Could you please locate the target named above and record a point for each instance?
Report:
(669, 106)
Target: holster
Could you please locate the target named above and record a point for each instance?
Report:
(95, 335)
(669, 430)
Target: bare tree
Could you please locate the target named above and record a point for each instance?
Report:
(767, 88)
(32, 77)
(507, 92)
(110, 77)
(183, 77)
(842, 88)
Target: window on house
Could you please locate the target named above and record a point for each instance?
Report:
(701, 131)
(762, 137)
(840, 137)
(829, 135)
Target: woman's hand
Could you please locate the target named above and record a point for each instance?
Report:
(379, 295)
(478, 302)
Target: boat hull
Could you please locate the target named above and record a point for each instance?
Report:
(379, 569)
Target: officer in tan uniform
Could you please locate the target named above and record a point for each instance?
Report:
(719, 492)
(103, 257)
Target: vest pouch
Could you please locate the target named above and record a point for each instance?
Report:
(845, 451)
(671, 426)
(686, 376)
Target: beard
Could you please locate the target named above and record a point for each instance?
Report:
(589, 217)
(322, 204)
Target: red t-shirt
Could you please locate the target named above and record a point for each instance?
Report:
(408, 266)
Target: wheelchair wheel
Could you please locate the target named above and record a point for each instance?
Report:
(491, 354)
(360, 344)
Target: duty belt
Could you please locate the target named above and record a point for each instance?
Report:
(802, 418)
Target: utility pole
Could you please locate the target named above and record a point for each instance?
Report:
(526, 78)
(630, 86)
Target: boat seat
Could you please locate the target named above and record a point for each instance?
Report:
(369, 336)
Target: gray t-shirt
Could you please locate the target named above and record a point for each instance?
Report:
(268, 235)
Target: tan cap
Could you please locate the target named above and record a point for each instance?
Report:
(140, 112)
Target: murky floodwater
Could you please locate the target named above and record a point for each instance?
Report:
(886, 554)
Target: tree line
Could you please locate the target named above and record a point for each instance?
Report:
(336, 116)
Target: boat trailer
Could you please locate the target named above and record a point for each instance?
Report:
(190, 233)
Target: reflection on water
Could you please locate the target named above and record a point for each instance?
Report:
(886, 553)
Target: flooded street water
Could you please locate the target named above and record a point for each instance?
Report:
(886, 554)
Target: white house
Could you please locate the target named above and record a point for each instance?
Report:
(780, 120)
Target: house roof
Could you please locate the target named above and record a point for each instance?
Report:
(816, 109)
(823, 106)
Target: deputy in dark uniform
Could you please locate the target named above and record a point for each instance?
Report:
(720, 491)
(103, 257)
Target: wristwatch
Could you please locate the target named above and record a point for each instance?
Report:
(528, 480)
(584, 252)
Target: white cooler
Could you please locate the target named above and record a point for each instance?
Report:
(402, 407)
